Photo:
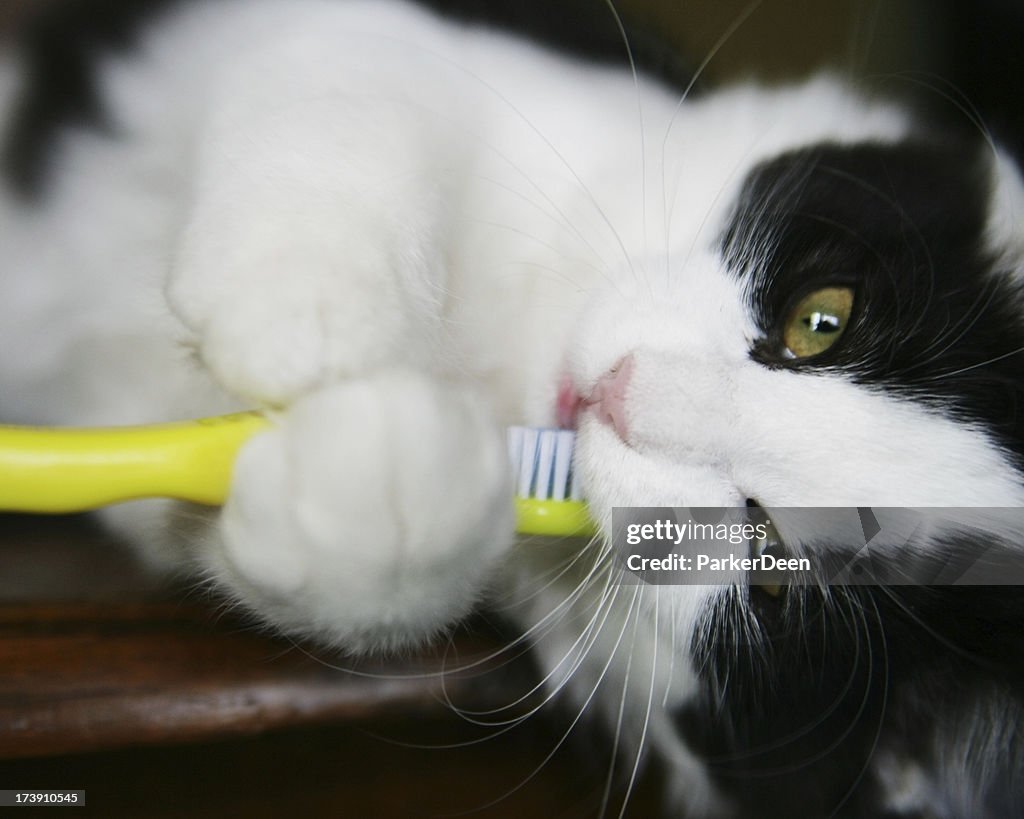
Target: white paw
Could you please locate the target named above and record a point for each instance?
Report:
(372, 515)
(274, 345)
(279, 333)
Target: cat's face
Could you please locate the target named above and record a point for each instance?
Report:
(843, 329)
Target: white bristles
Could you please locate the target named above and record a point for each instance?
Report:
(542, 462)
(545, 464)
(564, 442)
(527, 462)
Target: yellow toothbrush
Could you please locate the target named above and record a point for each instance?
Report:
(61, 470)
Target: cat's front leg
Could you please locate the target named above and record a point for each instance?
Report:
(372, 514)
(313, 240)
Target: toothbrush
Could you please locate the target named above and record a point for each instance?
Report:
(61, 470)
(547, 493)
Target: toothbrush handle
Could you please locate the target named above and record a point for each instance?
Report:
(74, 470)
(60, 470)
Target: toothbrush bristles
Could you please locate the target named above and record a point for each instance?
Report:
(542, 463)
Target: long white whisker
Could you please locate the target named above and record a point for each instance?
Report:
(955, 96)
(600, 270)
(585, 640)
(617, 738)
(862, 37)
(605, 607)
(582, 710)
(978, 365)
(672, 653)
(588, 637)
(640, 119)
(881, 718)
(550, 146)
(712, 53)
(647, 713)
(504, 100)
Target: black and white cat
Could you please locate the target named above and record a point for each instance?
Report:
(403, 234)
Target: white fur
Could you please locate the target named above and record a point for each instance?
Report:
(400, 233)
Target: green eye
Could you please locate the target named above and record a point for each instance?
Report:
(817, 321)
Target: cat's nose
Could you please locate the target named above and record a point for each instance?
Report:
(608, 398)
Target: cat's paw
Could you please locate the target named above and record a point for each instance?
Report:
(372, 515)
(273, 347)
(300, 324)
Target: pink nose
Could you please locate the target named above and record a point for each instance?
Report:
(608, 398)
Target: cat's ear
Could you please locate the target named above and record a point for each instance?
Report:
(1005, 230)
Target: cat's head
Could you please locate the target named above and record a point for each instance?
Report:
(836, 321)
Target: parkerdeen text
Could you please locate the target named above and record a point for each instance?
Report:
(731, 563)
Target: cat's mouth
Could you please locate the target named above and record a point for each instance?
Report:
(568, 404)
(760, 517)
(606, 400)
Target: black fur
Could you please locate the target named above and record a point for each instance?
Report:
(935, 319)
(805, 693)
(807, 697)
(60, 49)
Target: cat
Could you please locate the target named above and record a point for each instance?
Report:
(399, 233)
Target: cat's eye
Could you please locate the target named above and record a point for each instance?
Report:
(817, 321)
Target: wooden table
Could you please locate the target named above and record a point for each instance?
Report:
(158, 702)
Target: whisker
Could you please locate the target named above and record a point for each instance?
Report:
(862, 37)
(881, 717)
(580, 713)
(602, 271)
(589, 636)
(954, 95)
(617, 738)
(525, 639)
(672, 654)
(559, 217)
(717, 46)
(543, 138)
(585, 639)
(647, 712)
(535, 634)
(640, 119)
(966, 322)
(855, 718)
(525, 120)
(976, 366)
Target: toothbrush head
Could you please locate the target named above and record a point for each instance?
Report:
(547, 494)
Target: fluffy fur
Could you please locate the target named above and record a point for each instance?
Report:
(400, 234)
